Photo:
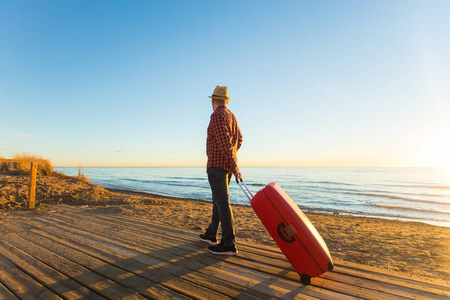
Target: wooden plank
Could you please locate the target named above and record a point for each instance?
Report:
(185, 266)
(402, 284)
(142, 225)
(6, 294)
(389, 289)
(165, 232)
(92, 280)
(53, 280)
(139, 248)
(132, 264)
(137, 283)
(190, 262)
(32, 192)
(276, 260)
(310, 290)
(432, 286)
(21, 284)
(407, 288)
(293, 287)
(128, 279)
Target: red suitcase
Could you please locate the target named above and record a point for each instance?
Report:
(292, 231)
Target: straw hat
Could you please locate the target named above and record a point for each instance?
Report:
(220, 92)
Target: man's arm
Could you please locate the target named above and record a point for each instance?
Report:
(239, 141)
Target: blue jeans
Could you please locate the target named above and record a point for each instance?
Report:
(219, 180)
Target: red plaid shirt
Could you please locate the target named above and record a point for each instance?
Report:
(224, 140)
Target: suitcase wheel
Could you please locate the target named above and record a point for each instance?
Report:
(305, 279)
(330, 265)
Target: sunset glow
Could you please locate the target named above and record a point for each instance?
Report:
(352, 84)
(436, 154)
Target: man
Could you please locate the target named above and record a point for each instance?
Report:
(223, 142)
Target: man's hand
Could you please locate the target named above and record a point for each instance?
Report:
(238, 176)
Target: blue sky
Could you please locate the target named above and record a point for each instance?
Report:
(313, 83)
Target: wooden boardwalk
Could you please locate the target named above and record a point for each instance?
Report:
(53, 255)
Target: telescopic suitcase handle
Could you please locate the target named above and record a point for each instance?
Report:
(246, 191)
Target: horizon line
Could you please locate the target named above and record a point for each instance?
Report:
(270, 166)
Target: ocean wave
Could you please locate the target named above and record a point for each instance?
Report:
(438, 187)
(395, 216)
(163, 182)
(373, 193)
(401, 198)
(369, 192)
(326, 189)
(188, 178)
(324, 182)
(435, 220)
(445, 187)
(111, 185)
(186, 184)
(256, 184)
(403, 208)
(138, 180)
(432, 221)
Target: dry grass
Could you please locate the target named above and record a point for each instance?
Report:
(45, 167)
(5, 166)
(82, 177)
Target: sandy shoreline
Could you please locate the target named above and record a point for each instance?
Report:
(414, 248)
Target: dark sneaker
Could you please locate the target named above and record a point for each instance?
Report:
(205, 237)
(221, 249)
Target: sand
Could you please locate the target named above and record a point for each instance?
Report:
(414, 248)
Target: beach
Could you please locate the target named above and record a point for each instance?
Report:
(416, 249)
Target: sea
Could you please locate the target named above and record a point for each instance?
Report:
(408, 194)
